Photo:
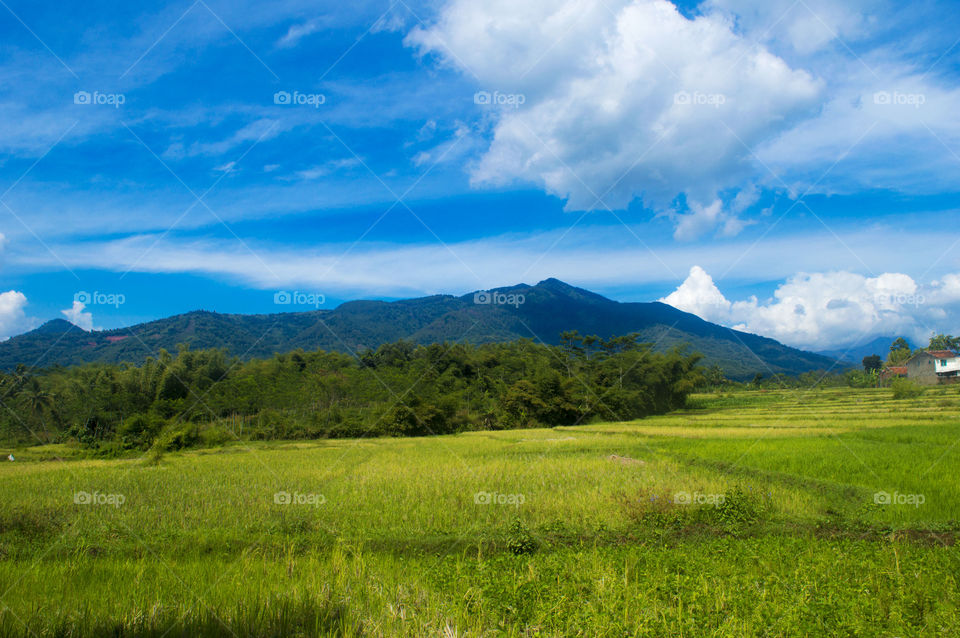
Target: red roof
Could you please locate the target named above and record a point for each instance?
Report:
(896, 370)
(942, 354)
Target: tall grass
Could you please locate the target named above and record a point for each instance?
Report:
(750, 514)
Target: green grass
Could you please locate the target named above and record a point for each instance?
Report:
(588, 540)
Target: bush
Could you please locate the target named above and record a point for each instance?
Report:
(139, 431)
(861, 379)
(521, 541)
(906, 389)
(176, 437)
(740, 507)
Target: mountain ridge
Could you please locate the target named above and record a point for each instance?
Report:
(539, 312)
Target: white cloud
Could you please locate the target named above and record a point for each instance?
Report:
(327, 168)
(700, 220)
(76, 315)
(822, 310)
(773, 96)
(598, 258)
(807, 27)
(700, 296)
(299, 31)
(635, 101)
(13, 319)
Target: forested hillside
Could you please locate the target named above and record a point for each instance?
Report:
(399, 389)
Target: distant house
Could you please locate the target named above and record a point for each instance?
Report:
(930, 367)
(890, 373)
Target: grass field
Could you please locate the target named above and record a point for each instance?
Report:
(748, 514)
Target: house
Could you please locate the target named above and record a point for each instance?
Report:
(947, 365)
(890, 373)
(930, 367)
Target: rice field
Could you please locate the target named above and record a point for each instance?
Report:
(782, 513)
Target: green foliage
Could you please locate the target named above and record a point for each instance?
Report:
(906, 389)
(944, 342)
(872, 363)
(899, 352)
(862, 379)
(520, 540)
(139, 431)
(740, 507)
(399, 389)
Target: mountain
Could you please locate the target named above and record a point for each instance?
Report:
(855, 352)
(539, 312)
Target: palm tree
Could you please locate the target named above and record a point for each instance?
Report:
(38, 401)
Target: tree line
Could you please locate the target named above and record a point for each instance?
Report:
(399, 389)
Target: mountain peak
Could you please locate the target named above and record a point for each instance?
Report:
(556, 284)
(563, 288)
(56, 326)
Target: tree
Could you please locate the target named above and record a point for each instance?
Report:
(38, 401)
(944, 342)
(899, 352)
(714, 376)
(872, 363)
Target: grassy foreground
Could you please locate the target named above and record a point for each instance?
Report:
(816, 513)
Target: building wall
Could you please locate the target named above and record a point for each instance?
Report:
(921, 369)
(953, 365)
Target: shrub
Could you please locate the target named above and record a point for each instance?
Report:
(740, 507)
(520, 541)
(139, 431)
(906, 389)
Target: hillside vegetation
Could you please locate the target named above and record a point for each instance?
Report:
(398, 390)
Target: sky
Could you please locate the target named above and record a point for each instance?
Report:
(786, 168)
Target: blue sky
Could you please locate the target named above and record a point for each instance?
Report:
(789, 168)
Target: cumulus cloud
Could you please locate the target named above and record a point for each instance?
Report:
(13, 319)
(602, 102)
(700, 296)
(821, 310)
(631, 101)
(76, 315)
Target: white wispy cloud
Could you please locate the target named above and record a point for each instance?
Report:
(297, 32)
